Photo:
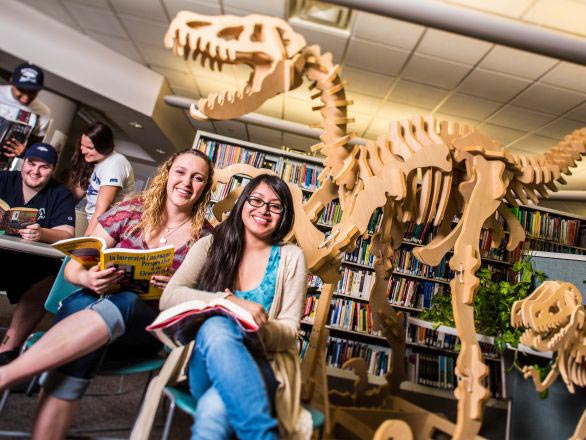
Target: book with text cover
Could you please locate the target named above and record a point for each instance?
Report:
(179, 324)
(139, 265)
(13, 219)
(16, 124)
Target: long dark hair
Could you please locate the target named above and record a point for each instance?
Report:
(103, 139)
(225, 253)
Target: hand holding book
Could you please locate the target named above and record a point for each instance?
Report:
(258, 313)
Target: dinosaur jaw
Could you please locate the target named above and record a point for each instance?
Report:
(268, 45)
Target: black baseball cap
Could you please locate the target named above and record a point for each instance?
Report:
(43, 151)
(27, 76)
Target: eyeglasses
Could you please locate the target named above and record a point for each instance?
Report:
(275, 208)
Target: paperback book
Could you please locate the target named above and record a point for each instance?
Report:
(13, 219)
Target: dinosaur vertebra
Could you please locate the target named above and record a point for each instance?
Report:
(553, 318)
(424, 170)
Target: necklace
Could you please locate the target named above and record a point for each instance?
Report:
(170, 231)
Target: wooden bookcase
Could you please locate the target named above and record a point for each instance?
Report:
(431, 352)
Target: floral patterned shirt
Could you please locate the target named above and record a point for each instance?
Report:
(119, 223)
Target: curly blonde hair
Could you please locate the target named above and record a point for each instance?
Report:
(155, 196)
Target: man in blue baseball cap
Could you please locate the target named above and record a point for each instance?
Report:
(26, 82)
(33, 187)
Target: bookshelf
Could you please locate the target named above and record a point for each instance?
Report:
(431, 352)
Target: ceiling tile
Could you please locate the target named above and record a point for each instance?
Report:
(54, 9)
(560, 128)
(95, 3)
(273, 8)
(367, 83)
(501, 7)
(144, 31)
(176, 78)
(265, 136)
(296, 142)
(158, 56)
(548, 99)
(360, 123)
(386, 30)
(492, 85)
(520, 118)
(469, 106)
(207, 86)
(394, 111)
(378, 126)
(272, 107)
(535, 144)
(330, 40)
(363, 104)
(375, 57)
(121, 45)
(299, 111)
(303, 92)
(501, 134)
(233, 129)
(206, 7)
(452, 46)
(517, 62)
(149, 9)
(99, 20)
(433, 71)
(567, 75)
(416, 94)
(578, 114)
(565, 15)
(191, 92)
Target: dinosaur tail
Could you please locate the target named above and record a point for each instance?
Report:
(543, 171)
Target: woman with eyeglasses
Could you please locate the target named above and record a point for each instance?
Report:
(240, 391)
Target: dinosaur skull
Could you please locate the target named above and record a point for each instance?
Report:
(267, 44)
(550, 315)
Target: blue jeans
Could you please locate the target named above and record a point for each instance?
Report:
(126, 317)
(234, 389)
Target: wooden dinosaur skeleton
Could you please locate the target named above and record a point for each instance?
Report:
(424, 170)
(553, 317)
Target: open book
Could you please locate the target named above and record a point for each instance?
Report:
(13, 219)
(179, 324)
(138, 264)
(14, 123)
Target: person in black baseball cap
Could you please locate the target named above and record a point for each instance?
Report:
(25, 84)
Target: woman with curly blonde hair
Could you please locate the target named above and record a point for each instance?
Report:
(92, 324)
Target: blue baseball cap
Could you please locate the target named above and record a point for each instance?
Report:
(27, 76)
(43, 151)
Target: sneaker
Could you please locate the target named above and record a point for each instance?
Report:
(8, 356)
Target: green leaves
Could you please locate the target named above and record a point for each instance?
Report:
(493, 302)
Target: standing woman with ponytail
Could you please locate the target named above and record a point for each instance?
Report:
(100, 173)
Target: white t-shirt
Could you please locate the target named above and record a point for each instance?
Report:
(37, 106)
(114, 170)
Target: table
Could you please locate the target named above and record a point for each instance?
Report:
(13, 243)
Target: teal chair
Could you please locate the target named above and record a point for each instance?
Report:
(62, 289)
(182, 399)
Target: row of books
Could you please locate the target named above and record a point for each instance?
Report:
(314, 281)
(223, 189)
(357, 283)
(350, 315)
(340, 350)
(419, 233)
(311, 303)
(405, 262)
(431, 369)
(548, 246)
(547, 226)
(420, 335)
(332, 214)
(225, 154)
(362, 253)
(413, 293)
(299, 173)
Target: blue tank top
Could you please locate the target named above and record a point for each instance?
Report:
(265, 292)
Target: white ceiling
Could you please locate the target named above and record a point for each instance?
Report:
(394, 68)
